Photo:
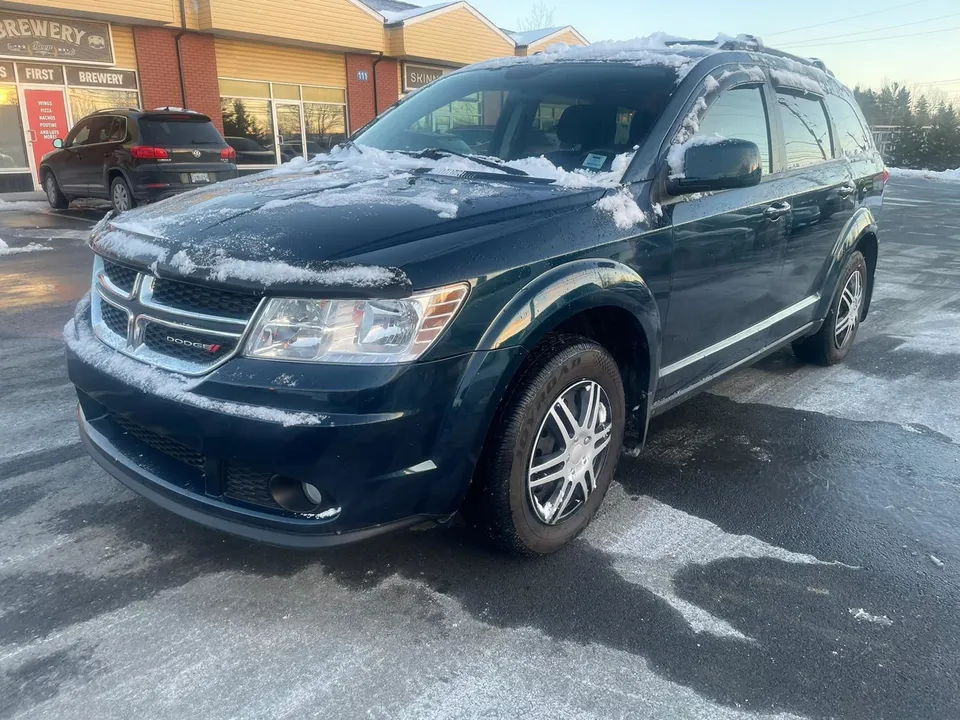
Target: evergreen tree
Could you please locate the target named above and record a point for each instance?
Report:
(910, 148)
(943, 140)
(921, 111)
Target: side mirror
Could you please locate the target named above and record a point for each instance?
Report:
(58, 143)
(712, 166)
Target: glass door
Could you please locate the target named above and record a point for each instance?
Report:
(13, 150)
(289, 131)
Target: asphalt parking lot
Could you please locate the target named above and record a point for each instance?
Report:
(786, 546)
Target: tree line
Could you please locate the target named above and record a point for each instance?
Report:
(928, 129)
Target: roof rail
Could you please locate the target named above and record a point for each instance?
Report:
(752, 43)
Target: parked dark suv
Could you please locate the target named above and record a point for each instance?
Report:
(398, 330)
(135, 156)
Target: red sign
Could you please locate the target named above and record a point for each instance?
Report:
(46, 120)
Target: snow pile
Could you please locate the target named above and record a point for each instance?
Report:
(676, 153)
(273, 272)
(80, 339)
(650, 50)
(859, 614)
(950, 175)
(22, 205)
(753, 73)
(32, 247)
(623, 208)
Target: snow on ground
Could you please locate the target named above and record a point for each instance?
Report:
(22, 206)
(32, 247)
(951, 175)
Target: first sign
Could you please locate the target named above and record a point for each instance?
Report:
(49, 38)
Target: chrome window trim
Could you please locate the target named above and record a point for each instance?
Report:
(740, 336)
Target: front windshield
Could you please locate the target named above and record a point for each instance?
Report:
(579, 116)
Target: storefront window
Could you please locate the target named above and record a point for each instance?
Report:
(322, 94)
(326, 125)
(13, 151)
(286, 92)
(248, 128)
(244, 88)
(84, 101)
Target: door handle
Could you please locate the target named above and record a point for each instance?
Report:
(32, 136)
(846, 190)
(777, 210)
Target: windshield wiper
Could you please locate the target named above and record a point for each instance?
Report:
(437, 153)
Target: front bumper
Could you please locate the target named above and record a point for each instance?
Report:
(397, 444)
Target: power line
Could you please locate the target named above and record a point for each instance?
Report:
(795, 43)
(888, 37)
(852, 17)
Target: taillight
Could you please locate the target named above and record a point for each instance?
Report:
(146, 152)
(886, 176)
(228, 153)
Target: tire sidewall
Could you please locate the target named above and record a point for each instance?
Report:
(120, 181)
(856, 262)
(558, 375)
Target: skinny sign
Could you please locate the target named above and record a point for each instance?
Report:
(41, 37)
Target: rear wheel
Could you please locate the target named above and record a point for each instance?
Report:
(833, 341)
(120, 195)
(51, 187)
(553, 451)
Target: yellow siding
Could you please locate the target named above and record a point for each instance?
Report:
(457, 36)
(336, 23)
(258, 61)
(394, 42)
(165, 11)
(565, 37)
(123, 50)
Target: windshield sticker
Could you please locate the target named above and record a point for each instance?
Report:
(594, 161)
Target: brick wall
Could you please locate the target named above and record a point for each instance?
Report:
(160, 76)
(360, 102)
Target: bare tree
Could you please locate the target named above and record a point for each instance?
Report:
(540, 16)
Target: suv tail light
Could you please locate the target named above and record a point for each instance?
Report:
(886, 176)
(228, 153)
(146, 152)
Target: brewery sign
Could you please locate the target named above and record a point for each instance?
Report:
(41, 37)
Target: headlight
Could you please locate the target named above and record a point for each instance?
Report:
(353, 331)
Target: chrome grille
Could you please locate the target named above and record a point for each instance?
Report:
(174, 325)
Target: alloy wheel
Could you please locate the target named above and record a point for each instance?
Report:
(50, 185)
(121, 200)
(570, 451)
(848, 309)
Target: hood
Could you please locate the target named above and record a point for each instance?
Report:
(299, 228)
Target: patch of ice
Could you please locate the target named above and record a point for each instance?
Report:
(328, 513)
(623, 208)
(859, 614)
(79, 337)
(677, 151)
(949, 175)
(32, 247)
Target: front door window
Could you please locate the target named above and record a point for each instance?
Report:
(289, 131)
(13, 151)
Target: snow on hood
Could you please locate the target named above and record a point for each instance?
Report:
(348, 177)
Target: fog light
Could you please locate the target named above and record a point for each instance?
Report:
(313, 495)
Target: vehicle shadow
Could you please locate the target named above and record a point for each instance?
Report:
(822, 640)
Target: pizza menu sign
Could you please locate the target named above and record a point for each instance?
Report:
(49, 38)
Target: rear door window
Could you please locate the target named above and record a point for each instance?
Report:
(806, 133)
(852, 135)
(740, 114)
(168, 132)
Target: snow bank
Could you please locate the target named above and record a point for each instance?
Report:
(22, 205)
(81, 340)
(950, 175)
(32, 247)
(623, 208)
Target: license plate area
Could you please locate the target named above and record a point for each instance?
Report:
(200, 177)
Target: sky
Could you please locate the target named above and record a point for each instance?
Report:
(861, 50)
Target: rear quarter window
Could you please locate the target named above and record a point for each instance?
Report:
(806, 133)
(164, 132)
(853, 137)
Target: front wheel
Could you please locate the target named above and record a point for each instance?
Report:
(553, 450)
(120, 195)
(55, 198)
(832, 343)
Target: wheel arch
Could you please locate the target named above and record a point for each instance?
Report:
(602, 300)
(859, 233)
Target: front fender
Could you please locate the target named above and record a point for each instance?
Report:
(861, 223)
